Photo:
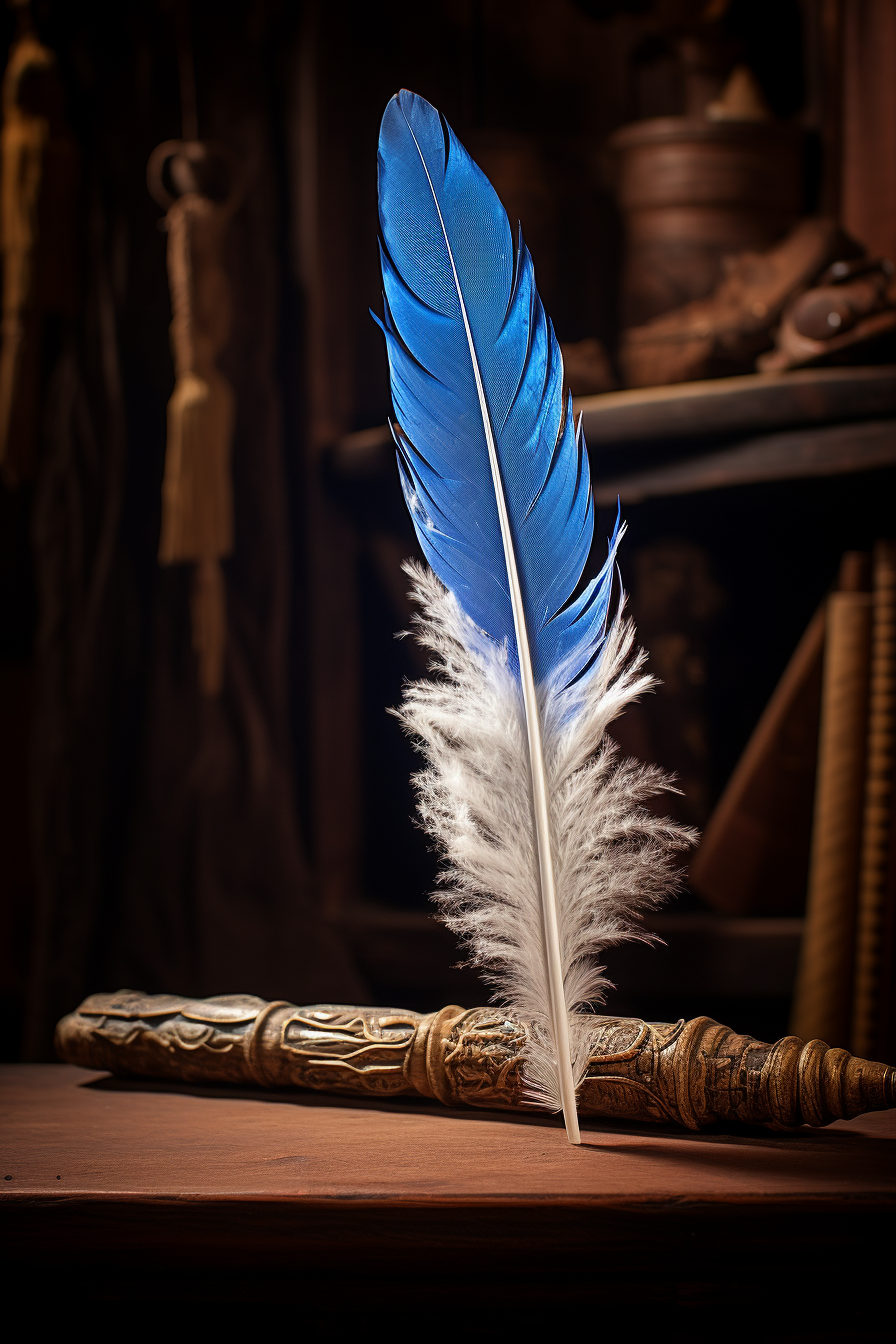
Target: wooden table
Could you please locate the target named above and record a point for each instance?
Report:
(150, 1192)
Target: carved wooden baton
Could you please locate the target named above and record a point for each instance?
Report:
(688, 1073)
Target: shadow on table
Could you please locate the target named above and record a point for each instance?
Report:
(829, 1142)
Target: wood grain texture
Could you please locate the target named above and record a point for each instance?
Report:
(133, 1140)
(352, 1212)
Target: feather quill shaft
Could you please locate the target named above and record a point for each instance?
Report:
(541, 815)
(550, 852)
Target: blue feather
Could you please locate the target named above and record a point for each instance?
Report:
(445, 235)
(494, 472)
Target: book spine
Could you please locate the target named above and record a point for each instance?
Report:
(823, 996)
(877, 821)
(759, 832)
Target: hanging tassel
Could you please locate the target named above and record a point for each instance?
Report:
(197, 491)
(38, 183)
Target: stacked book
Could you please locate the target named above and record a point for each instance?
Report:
(810, 809)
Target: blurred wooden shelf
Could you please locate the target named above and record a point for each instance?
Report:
(734, 406)
(843, 414)
(830, 450)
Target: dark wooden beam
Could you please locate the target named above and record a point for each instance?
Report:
(711, 408)
(734, 406)
(830, 451)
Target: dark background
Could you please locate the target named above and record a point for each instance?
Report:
(155, 839)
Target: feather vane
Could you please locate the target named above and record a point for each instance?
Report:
(550, 852)
(455, 285)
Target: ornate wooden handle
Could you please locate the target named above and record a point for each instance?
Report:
(689, 1073)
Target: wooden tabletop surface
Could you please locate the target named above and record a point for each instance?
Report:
(132, 1192)
(67, 1131)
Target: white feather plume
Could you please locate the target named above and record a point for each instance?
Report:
(613, 858)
